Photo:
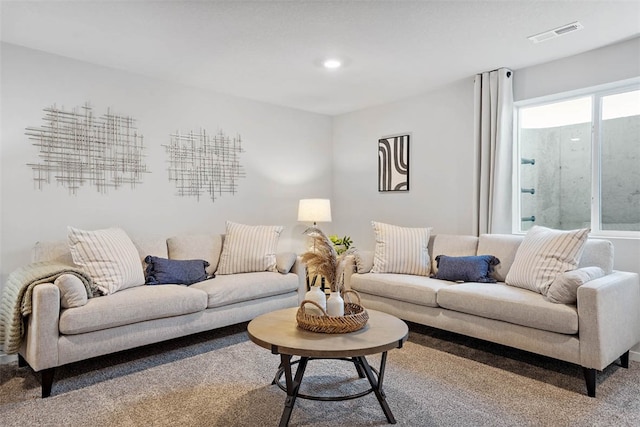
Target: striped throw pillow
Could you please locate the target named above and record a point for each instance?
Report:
(108, 256)
(249, 248)
(401, 250)
(545, 254)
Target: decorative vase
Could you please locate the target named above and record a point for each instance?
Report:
(318, 296)
(335, 305)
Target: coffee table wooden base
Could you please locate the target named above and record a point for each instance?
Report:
(292, 384)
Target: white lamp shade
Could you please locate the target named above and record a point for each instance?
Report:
(314, 210)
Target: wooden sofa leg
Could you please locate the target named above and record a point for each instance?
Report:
(590, 378)
(21, 362)
(47, 381)
(624, 360)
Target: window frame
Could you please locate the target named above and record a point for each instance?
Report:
(596, 93)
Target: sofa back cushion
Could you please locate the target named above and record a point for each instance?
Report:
(200, 246)
(154, 246)
(52, 251)
(452, 245)
(59, 250)
(598, 253)
(503, 247)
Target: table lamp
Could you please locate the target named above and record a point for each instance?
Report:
(314, 210)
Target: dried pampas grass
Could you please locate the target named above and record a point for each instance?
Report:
(323, 259)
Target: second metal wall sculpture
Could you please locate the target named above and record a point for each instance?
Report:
(393, 163)
(200, 162)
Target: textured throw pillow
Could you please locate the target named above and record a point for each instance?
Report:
(108, 256)
(401, 249)
(466, 268)
(72, 291)
(163, 271)
(545, 254)
(249, 248)
(564, 289)
(284, 261)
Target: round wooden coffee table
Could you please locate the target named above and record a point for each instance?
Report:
(278, 331)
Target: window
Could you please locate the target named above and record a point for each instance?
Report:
(579, 162)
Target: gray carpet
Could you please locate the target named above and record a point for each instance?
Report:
(220, 378)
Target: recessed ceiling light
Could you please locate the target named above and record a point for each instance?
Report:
(332, 64)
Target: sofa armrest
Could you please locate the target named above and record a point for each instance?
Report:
(348, 268)
(300, 269)
(40, 343)
(609, 318)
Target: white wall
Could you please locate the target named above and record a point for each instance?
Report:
(287, 156)
(441, 165)
(609, 64)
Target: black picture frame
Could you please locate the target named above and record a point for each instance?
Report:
(393, 163)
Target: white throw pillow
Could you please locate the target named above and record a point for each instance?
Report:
(564, 290)
(401, 250)
(108, 256)
(72, 291)
(545, 254)
(249, 248)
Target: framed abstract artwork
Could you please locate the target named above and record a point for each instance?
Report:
(393, 163)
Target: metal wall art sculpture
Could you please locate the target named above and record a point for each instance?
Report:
(200, 162)
(393, 163)
(77, 148)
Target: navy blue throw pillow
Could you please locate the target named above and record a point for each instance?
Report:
(466, 268)
(162, 271)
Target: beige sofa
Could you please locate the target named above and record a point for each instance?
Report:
(147, 314)
(600, 328)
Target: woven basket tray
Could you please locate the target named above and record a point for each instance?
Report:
(355, 317)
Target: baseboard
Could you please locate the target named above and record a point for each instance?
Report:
(9, 358)
(634, 355)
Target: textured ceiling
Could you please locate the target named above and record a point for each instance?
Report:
(270, 50)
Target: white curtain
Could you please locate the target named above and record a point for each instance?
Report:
(493, 121)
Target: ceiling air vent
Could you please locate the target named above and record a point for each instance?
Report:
(556, 32)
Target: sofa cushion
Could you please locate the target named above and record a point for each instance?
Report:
(476, 268)
(52, 251)
(163, 271)
(564, 289)
(419, 290)
(199, 246)
(544, 254)
(401, 249)
(597, 253)
(503, 247)
(108, 256)
(132, 305)
(249, 248)
(452, 245)
(234, 288)
(363, 261)
(72, 291)
(155, 246)
(510, 304)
